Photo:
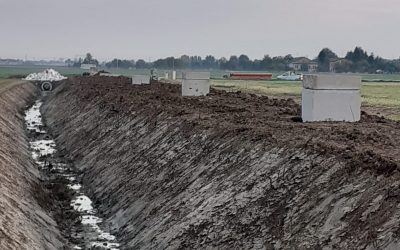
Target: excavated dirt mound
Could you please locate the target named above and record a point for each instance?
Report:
(227, 170)
(25, 222)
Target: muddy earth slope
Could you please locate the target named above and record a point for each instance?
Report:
(25, 222)
(230, 170)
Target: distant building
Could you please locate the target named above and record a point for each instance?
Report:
(304, 64)
(333, 63)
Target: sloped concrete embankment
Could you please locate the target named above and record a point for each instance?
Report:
(166, 183)
(24, 206)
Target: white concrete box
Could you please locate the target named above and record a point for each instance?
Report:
(331, 98)
(140, 79)
(196, 84)
(174, 75)
(329, 81)
(331, 105)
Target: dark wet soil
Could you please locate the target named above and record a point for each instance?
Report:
(230, 170)
(373, 143)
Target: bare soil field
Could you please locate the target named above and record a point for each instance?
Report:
(230, 170)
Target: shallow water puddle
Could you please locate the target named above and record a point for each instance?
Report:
(88, 233)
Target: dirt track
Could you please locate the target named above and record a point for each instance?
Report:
(227, 170)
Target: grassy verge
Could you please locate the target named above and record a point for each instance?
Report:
(271, 88)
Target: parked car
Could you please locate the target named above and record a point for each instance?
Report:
(290, 76)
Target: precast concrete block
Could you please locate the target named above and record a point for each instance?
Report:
(331, 105)
(140, 79)
(330, 81)
(196, 84)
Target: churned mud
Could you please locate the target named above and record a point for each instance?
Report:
(230, 170)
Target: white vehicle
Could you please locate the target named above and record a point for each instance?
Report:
(290, 76)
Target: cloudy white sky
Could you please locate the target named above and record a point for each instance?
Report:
(146, 29)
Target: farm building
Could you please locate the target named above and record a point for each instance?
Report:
(304, 64)
(334, 63)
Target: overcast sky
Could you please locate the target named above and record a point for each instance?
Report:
(134, 29)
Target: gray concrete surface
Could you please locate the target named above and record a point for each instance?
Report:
(196, 83)
(331, 97)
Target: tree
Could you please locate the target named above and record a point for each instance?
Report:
(244, 62)
(343, 66)
(117, 63)
(141, 64)
(90, 60)
(265, 62)
(288, 58)
(196, 62)
(69, 62)
(223, 63)
(77, 63)
(357, 55)
(185, 59)
(233, 63)
(210, 62)
(324, 58)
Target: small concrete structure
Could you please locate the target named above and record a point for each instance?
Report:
(166, 76)
(88, 66)
(174, 75)
(195, 83)
(46, 86)
(331, 98)
(140, 79)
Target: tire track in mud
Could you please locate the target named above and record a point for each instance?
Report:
(81, 225)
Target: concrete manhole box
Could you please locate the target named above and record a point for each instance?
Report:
(195, 83)
(331, 98)
(140, 79)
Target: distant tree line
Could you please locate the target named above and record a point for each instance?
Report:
(89, 59)
(356, 60)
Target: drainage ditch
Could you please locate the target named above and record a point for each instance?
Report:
(79, 220)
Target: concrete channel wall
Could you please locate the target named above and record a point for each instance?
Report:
(164, 183)
(24, 219)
